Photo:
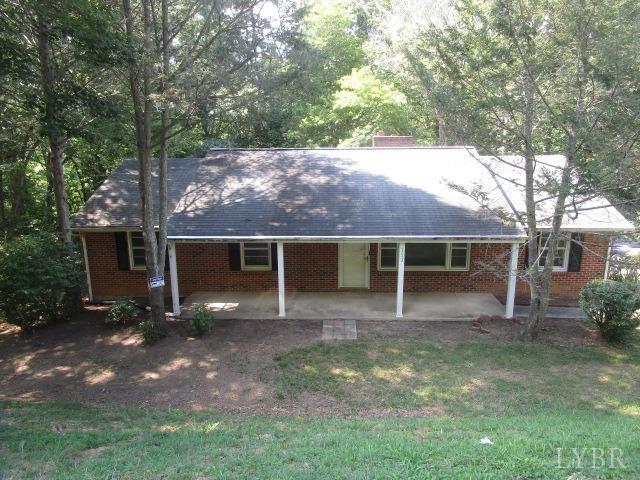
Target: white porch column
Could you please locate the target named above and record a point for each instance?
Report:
(281, 304)
(173, 271)
(511, 284)
(400, 291)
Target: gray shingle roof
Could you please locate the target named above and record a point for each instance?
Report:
(319, 193)
(584, 212)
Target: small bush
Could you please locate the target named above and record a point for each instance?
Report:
(123, 311)
(40, 281)
(201, 321)
(152, 332)
(612, 307)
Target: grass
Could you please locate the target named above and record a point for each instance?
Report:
(541, 405)
(482, 378)
(62, 441)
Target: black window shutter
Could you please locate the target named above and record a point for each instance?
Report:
(575, 252)
(234, 257)
(122, 250)
(274, 256)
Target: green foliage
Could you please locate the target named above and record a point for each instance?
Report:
(152, 331)
(201, 321)
(40, 282)
(625, 269)
(122, 312)
(612, 306)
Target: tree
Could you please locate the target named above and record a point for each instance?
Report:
(56, 54)
(523, 76)
(169, 65)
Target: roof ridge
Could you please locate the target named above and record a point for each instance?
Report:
(272, 149)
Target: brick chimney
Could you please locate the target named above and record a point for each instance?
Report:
(380, 140)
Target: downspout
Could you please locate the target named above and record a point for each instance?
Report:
(608, 261)
(85, 255)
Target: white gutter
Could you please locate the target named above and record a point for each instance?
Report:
(85, 255)
(351, 238)
(607, 264)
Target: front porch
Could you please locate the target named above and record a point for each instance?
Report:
(346, 305)
(358, 304)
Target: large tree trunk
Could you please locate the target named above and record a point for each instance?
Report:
(16, 191)
(139, 80)
(59, 191)
(54, 131)
(442, 129)
(164, 135)
(3, 216)
(536, 317)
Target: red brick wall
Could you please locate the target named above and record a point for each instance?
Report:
(487, 273)
(565, 286)
(313, 267)
(106, 280)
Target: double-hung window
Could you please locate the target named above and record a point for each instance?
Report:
(561, 259)
(425, 256)
(137, 259)
(256, 256)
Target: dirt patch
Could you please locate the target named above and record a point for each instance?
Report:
(225, 370)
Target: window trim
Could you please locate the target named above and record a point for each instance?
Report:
(446, 268)
(255, 268)
(565, 262)
(132, 266)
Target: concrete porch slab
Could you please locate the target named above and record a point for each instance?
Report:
(346, 305)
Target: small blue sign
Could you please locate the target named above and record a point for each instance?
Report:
(156, 282)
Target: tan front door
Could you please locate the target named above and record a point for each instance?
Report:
(354, 265)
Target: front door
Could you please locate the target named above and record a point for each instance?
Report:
(354, 265)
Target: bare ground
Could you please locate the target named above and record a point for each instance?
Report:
(226, 370)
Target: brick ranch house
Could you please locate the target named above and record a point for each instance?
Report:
(393, 218)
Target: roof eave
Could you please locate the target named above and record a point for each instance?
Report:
(351, 238)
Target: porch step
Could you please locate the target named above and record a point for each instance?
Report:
(339, 330)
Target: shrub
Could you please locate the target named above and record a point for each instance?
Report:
(612, 307)
(40, 281)
(152, 331)
(201, 321)
(123, 311)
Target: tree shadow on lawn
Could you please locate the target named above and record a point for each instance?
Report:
(465, 378)
(279, 366)
(85, 361)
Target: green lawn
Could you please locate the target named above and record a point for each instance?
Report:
(487, 378)
(529, 399)
(68, 441)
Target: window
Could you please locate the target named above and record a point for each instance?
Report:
(561, 260)
(388, 255)
(256, 256)
(425, 256)
(459, 258)
(137, 259)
